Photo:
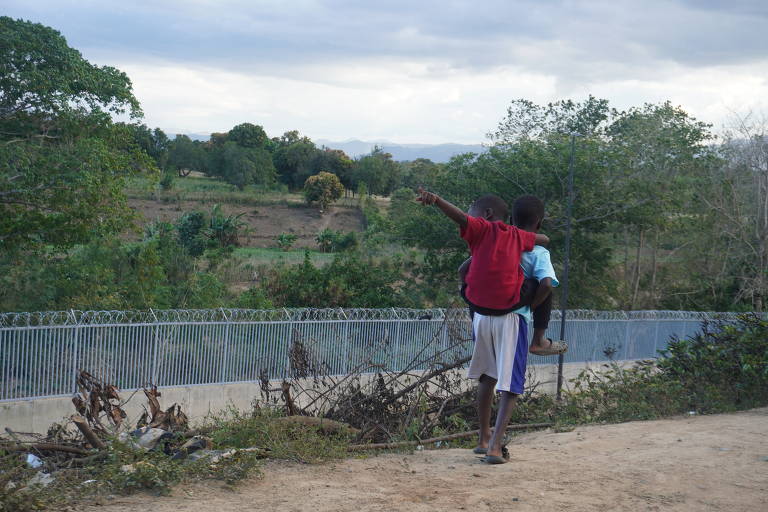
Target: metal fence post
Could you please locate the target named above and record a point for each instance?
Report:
(626, 338)
(155, 348)
(223, 373)
(347, 343)
(75, 349)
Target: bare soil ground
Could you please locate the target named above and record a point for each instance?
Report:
(265, 222)
(683, 464)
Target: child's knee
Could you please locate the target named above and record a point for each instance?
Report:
(486, 379)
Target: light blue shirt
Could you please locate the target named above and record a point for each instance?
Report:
(536, 264)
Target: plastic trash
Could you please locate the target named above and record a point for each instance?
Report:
(33, 461)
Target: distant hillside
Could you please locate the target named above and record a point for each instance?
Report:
(197, 136)
(400, 152)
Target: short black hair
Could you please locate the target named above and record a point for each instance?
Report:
(495, 203)
(527, 211)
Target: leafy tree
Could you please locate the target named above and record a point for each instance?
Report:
(294, 162)
(62, 159)
(186, 155)
(378, 171)
(248, 135)
(323, 189)
(242, 166)
(155, 143)
(336, 162)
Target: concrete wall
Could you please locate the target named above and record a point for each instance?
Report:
(38, 414)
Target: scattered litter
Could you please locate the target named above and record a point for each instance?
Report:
(33, 461)
(42, 479)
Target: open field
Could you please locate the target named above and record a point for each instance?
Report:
(265, 223)
(266, 213)
(698, 463)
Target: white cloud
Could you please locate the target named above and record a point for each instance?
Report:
(430, 71)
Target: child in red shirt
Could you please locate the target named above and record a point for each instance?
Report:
(493, 282)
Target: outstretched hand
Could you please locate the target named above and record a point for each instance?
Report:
(426, 198)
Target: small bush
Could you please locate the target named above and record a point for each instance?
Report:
(286, 240)
(330, 240)
(166, 182)
(323, 189)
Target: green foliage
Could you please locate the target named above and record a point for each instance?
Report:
(185, 155)
(166, 182)
(157, 272)
(191, 231)
(248, 135)
(225, 229)
(378, 171)
(348, 281)
(330, 240)
(286, 240)
(289, 441)
(724, 366)
(242, 166)
(323, 189)
(254, 298)
(62, 160)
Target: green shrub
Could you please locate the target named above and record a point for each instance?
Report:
(286, 240)
(191, 230)
(330, 240)
(166, 182)
(724, 366)
(348, 281)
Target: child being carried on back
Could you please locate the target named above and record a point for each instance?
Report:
(493, 281)
(536, 291)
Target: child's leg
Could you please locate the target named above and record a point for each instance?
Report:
(540, 344)
(484, 402)
(507, 403)
(541, 316)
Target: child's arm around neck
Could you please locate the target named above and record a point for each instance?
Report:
(450, 211)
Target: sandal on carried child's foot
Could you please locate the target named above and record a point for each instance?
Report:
(554, 348)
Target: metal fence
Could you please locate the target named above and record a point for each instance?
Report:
(41, 353)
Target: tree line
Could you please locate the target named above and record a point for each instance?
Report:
(666, 213)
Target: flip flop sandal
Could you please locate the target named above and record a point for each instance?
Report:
(554, 348)
(494, 459)
(480, 451)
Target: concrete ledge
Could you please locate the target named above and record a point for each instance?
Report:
(199, 401)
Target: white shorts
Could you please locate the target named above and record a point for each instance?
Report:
(501, 350)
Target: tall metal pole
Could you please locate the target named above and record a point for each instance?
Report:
(566, 264)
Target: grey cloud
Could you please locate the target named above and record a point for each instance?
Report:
(571, 40)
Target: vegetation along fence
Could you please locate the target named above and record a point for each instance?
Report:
(41, 353)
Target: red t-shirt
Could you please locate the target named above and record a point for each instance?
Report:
(495, 275)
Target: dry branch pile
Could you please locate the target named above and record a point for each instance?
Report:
(426, 395)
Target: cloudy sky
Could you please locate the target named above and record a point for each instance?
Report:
(413, 71)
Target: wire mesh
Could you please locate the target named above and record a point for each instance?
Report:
(41, 352)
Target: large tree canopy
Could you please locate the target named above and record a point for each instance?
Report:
(62, 159)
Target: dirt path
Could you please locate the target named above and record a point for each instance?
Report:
(684, 464)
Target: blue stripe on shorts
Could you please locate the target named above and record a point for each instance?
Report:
(517, 384)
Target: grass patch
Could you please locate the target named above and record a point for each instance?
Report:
(210, 190)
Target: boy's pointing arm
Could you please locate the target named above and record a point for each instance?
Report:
(450, 211)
